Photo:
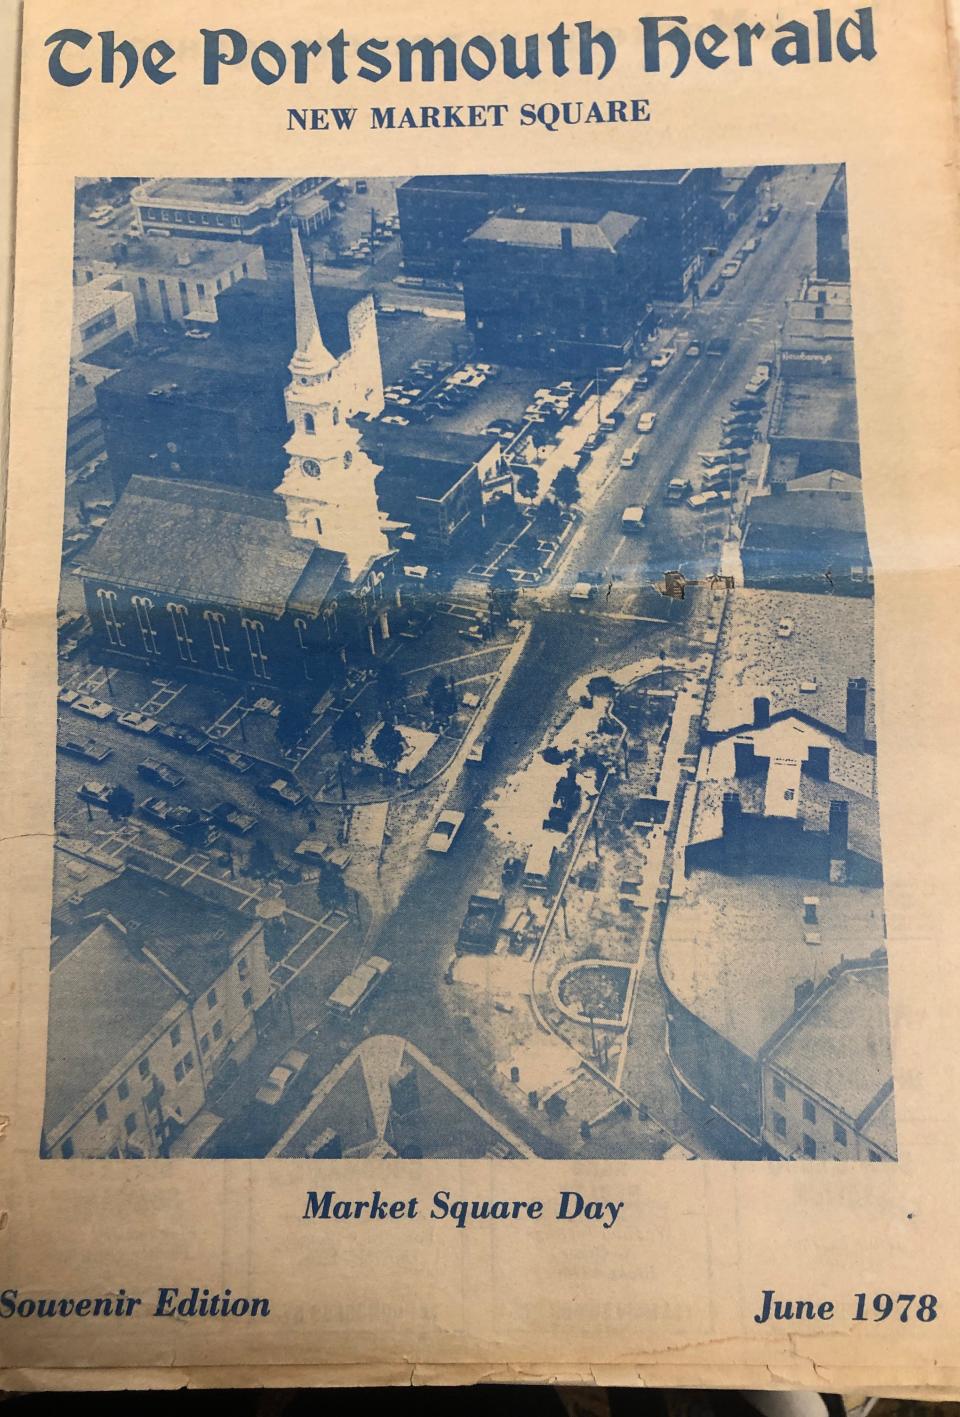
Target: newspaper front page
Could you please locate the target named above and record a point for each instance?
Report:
(479, 819)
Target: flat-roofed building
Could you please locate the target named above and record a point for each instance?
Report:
(232, 208)
(833, 245)
(808, 534)
(173, 281)
(432, 483)
(564, 286)
(152, 990)
(815, 421)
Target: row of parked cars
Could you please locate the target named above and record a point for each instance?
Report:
(725, 465)
(431, 387)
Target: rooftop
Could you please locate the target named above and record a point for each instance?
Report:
(104, 1000)
(830, 641)
(207, 543)
(735, 949)
(432, 444)
(213, 191)
(785, 745)
(813, 409)
(824, 509)
(590, 229)
(171, 255)
(839, 1048)
(356, 1101)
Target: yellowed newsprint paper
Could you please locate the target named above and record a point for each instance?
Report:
(478, 706)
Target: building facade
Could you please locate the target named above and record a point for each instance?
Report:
(170, 987)
(229, 209)
(173, 281)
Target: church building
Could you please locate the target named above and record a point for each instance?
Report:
(198, 579)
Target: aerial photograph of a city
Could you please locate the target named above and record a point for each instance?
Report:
(466, 727)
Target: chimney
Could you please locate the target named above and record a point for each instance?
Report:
(778, 489)
(761, 711)
(744, 757)
(801, 993)
(856, 713)
(839, 828)
(810, 904)
(566, 238)
(818, 762)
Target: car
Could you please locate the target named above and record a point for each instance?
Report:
(677, 489)
(174, 817)
(749, 401)
(68, 697)
(160, 774)
(86, 748)
(501, 428)
(230, 759)
(662, 358)
(583, 591)
(479, 750)
(752, 245)
(67, 649)
(715, 287)
(591, 444)
(700, 500)
(731, 269)
(628, 458)
(692, 350)
(416, 624)
(197, 334)
(314, 848)
(283, 792)
(396, 420)
(233, 818)
(137, 722)
(90, 707)
(755, 385)
(182, 736)
(357, 987)
(283, 1078)
(445, 831)
(737, 442)
(98, 794)
(646, 422)
(770, 215)
(762, 371)
(714, 459)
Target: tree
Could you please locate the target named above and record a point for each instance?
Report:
(120, 803)
(263, 863)
(391, 690)
(389, 746)
(549, 517)
(502, 594)
(347, 733)
(332, 889)
(566, 485)
(294, 720)
(441, 697)
(528, 482)
(567, 794)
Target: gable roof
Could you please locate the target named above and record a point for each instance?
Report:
(201, 542)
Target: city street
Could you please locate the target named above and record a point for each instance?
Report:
(409, 902)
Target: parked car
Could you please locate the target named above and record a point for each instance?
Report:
(160, 774)
(283, 792)
(479, 750)
(738, 442)
(356, 988)
(137, 722)
(182, 736)
(662, 358)
(646, 422)
(181, 820)
(583, 591)
(445, 831)
(715, 287)
(701, 500)
(692, 350)
(283, 1078)
(629, 456)
(314, 848)
(730, 269)
(98, 794)
(86, 748)
(396, 420)
(90, 707)
(230, 759)
(749, 401)
(233, 818)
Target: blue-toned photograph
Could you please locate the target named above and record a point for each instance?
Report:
(466, 720)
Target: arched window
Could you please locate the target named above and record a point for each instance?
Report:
(142, 606)
(178, 618)
(253, 629)
(108, 609)
(347, 458)
(221, 650)
(309, 423)
(336, 415)
(300, 626)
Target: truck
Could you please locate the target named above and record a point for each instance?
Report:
(481, 924)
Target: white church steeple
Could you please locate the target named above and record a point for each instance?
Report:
(329, 486)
